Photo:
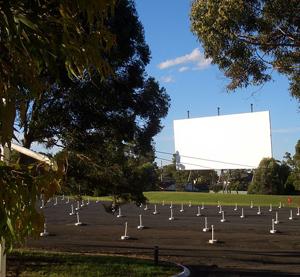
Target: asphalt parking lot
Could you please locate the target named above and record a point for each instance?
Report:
(243, 243)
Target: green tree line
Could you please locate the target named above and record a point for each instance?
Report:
(275, 177)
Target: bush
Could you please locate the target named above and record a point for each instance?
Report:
(269, 178)
(217, 187)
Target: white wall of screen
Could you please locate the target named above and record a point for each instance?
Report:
(237, 141)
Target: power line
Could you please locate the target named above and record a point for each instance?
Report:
(161, 152)
(184, 163)
(203, 159)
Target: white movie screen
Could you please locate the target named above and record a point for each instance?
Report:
(237, 141)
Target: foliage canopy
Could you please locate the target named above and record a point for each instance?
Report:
(57, 39)
(107, 122)
(293, 182)
(250, 39)
(41, 42)
(83, 88)
(269, 178)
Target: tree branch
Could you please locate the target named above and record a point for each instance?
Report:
(255, 41)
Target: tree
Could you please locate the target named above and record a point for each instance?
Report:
(289, 160)
(168, 174)
(171, 175)
(250, 39)
(296, 170)
(205, 178)
(57, 39)
(108, 123)
(20, 186)
(125, 100)
(198, 178)
(293, 183)
(239, 179)
(124, 181)
(41, 42)
(269, 178)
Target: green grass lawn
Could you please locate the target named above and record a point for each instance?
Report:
(197, 198)
(34, 264)
(225, 199)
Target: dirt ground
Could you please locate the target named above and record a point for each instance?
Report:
(244, 245)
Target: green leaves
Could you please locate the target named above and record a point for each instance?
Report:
(56, 39)
(7, 117)
(19, 188)
(269, 178)
(26, 21)
(42, 42)
(249, 39)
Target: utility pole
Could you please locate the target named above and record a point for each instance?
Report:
(251, 108)
(188, 114)
(218, 110)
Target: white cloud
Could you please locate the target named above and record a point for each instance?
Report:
(167, 79)
(183, 68)
(202, 64)
(195, 57)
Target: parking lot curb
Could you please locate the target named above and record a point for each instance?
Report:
(185, 273)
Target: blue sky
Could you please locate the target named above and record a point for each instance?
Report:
(195, 85)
